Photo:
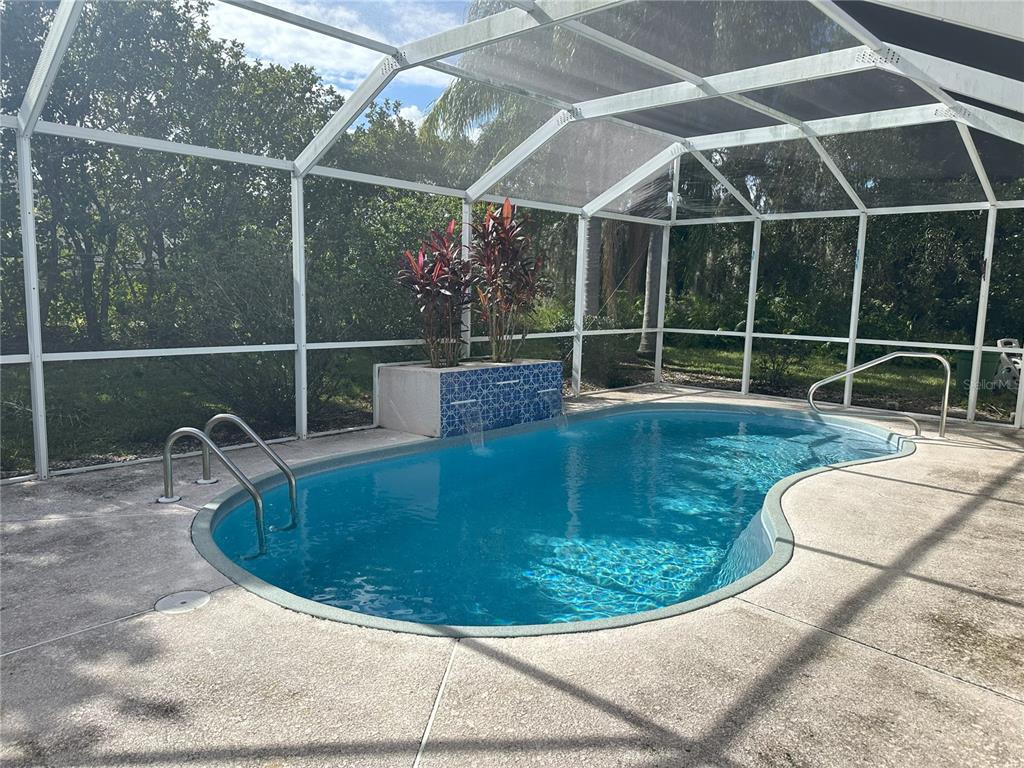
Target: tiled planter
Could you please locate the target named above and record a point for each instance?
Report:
(443, 402)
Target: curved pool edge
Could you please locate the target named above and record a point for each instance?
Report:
(771, 516)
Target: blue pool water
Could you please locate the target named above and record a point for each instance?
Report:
(605, 516)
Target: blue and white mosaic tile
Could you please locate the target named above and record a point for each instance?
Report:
(489, 398)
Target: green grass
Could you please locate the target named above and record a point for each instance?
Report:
(911, 385)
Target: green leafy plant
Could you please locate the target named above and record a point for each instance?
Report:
(441, 281)
(509, 278)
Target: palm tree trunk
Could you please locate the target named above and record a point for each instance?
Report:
(652, 294)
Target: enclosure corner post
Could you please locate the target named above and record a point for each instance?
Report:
(666, 234)
(33, 321)
(579, 300)
(979, 327)
(748, 335)
(299, 306)
(858, 280)
(467, 242)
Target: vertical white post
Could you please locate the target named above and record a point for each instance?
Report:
(979, 328)
(578, 302)
(299, 306)
(1018, 419)
(858, 279)
(33, 321)
(659, 349)
(676, 166)
(467, 242)
(748, 338)
(666, 233)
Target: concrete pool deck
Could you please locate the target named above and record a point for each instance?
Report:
(894, 637)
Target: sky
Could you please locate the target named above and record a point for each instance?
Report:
(338, 63)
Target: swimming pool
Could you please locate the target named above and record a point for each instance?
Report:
(610, 518)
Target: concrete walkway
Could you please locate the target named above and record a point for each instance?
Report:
(895, 637)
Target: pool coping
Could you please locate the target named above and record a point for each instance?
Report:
(771, 517)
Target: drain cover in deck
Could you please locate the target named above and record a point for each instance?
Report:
(182, 602)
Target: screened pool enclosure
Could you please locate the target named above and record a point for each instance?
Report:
(204, 203)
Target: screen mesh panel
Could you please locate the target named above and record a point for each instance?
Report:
(23, 28)
(852, 94)
(650, 198)
(711, 37)
(915, 165)
(701, 195)
(223, 77)
(581, 162)
(1004, 164)
(782, 176)
(460, 133)
(696, 118)
(558, 62)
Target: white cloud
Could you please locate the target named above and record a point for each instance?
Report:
(413, 114)
(339, 63)
(413, 20)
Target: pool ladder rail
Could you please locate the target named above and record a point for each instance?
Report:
(877, 361)
(208, 446)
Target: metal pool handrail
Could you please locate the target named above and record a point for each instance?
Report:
(170, 497)
(890, 356)
(270, 453)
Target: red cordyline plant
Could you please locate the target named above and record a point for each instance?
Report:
(508, 280)
(441, 281)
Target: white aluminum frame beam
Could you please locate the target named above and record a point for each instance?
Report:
(157, 145)
(1018, 419)
(748, 333)
(952, 76)
(990, 122)
(467, 245)
(829, 126)
(627, 182)
(666, 234)
(659, 346)
(350, 111)
(676, 171)
(903, 65)
(858, 282)
(995, 18)
(299, 306)
(846, 61)
(579, 300)
(474, 34)
(56, 45)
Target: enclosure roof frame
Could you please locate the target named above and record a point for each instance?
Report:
(933, 74)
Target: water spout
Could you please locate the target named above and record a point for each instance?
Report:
(551, 401)
(471, 418)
